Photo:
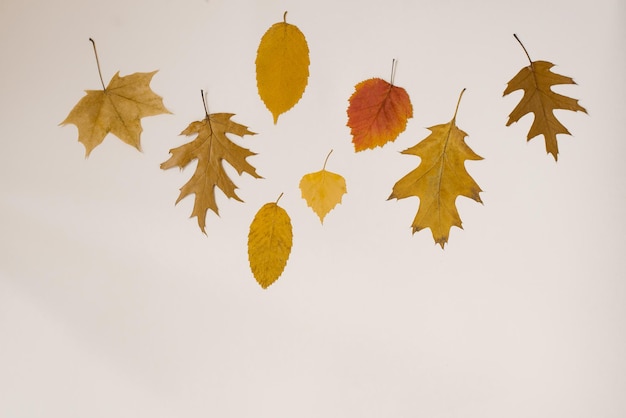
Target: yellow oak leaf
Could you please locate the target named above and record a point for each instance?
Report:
(269, 243)
(536, 81)
(438, 180)
(117, 108)
(211, 148)
(323, 190)
(282, 67)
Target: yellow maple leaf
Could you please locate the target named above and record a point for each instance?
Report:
(323, 190)
(210, 148)
(536, 80)
(438, 180)
(282, 67)
(117, 109)
(269, 243)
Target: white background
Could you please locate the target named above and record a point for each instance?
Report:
(114, 304)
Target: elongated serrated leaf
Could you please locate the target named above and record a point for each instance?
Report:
(269, 243)
(282, 67)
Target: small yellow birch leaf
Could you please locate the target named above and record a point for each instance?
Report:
(282, 67)
(323, 190)
(269, 243)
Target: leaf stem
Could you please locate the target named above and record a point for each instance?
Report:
(394, 65)
(285, 17)
(97, 62)
(281, 195)
(326, 160)
(524, 48)
(204, 103)
(458, 103)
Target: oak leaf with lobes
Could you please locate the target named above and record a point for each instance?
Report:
(211, 148)
(536, 81)
(377, 113)
(439, 179)
(116, 109)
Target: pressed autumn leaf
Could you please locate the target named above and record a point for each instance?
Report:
(210, 148)
(282, 67)
(536, 80)
(439, 179)
(117, 108)
(323, 190)
(269, 243)
(377, 113)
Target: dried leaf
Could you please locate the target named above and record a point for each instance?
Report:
(536, 80)
(269, 243)
(117, 109)
(323, 190)
(282, 67)
(211, 147)
(377, 113)
(439, 179)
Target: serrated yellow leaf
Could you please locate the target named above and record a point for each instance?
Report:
(269, 243)
(439, 179)
(282, 67)
(322, 190)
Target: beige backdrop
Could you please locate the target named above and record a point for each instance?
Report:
(113, 304)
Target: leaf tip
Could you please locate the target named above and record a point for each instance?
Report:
(555, 155)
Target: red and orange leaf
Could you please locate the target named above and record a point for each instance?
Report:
(377, 113)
